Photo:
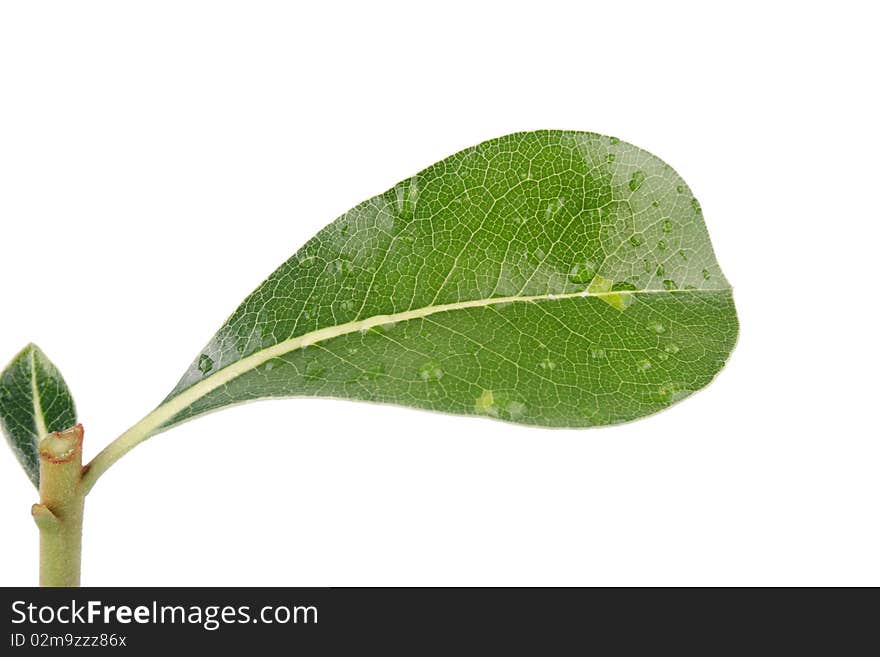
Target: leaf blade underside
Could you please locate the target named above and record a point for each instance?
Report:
(550, 278)
(34, 401)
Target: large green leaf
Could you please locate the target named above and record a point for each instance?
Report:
(549, 278)
(34, 401)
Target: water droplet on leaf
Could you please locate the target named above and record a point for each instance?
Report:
(637, 179)
(667, 390)
(485, 403)
(582, 273)
(340, 267)
(514, 409)
(431, 371)
(206, 363)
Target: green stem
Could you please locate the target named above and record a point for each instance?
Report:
(59, 515)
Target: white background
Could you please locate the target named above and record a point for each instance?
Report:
(159, 159)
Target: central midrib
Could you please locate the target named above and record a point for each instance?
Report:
(251, 362)
(154, 421)
(39, 418)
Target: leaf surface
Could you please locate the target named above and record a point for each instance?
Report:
(550, 278)
(34, 401)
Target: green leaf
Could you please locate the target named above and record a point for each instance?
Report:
(549, 278)
(34, 401)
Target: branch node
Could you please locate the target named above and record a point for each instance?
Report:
(44, 518)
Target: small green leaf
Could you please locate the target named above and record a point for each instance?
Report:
(34, 401)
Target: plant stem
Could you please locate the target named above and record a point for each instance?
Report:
(59, 515)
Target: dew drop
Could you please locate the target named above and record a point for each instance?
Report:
(660, 270)
(340, 267)
(431, 371)
(582, 273)
(696, 205)
(514, 409)
(614, 141)
(670, 284)
(680, 189)
(637, 179)
(635, 240)
(206, 363)
(485, 403)
(706, 275)
(667, 390)
(667, 226)
(500, 405)
(682, 255)
(661, 245)
(611, 157)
